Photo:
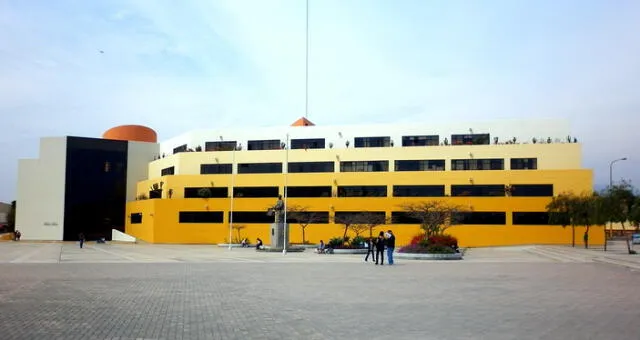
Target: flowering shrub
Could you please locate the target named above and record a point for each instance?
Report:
(436, 244)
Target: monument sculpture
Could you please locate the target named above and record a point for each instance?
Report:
(279, 226)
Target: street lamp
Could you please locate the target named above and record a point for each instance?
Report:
(286, 172)
(610, 187)
(233, 161)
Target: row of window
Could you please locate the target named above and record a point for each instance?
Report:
(322, 217)
(365, 166)
(491, 190)
(359, 142)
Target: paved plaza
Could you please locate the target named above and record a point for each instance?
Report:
(141, 291)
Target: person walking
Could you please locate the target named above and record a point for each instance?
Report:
(81, 238)
(380, 241)
(370, 250)
(391, 244)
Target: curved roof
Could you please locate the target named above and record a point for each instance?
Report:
(134, 133)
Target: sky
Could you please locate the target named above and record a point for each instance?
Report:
(180, 65)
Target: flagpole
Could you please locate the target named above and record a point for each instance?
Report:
(233, 161)
(306, 77)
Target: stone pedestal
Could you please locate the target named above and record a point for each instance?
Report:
(278, 235)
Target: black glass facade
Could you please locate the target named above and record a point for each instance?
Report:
(96, 187)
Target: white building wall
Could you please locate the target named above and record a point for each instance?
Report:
(522, 130)
(41, 190)
(139, 156)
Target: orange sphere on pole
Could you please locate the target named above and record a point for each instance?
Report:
(133, 133)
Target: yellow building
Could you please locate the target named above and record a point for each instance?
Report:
(339, 170)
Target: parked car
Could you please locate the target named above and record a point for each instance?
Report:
(635, 239)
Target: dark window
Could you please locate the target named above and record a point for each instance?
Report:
(181, 148)
(259, 168)
(94, 199)
(530, 218)
(403, 217)
(532, 190)
(309, 191)
(310, 217)
(210, 169)
(372, 142)
(200, 217)
(524, 163)
(252, 217)
(310, 143)
(476, 217)
(477, 164)
(255, 192)
(470, 139)
(270, 144)
(362, 191)
(136, 218)
(477, 190)
(168, 171)
(420, 165)
(156, 193)
(418, 190)
(220, 146)
(420, 140)
(360, 217)
(364, 166)
(312, 167)
(206, 192)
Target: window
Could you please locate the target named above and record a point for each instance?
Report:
(420, 165)
(364, 166)
(255, 192)
(360, 217)
(470, 139)
(418, 190)
(220, 146)
(206, 192)
(310, 143)
(372, 142)
(477, 190)
(269, 144)
(477, 164)
(200, 217)
(530, 218)
(403, 217)
(168, 171)
(309, 191)
(311, 167)
(532, 190)
(136, 218)
(179, 149)
(252, 217)
(310, 217)
(362, 191)
(259, 168)
(524, 163)
(155, 193)
(476, 217)
(211, 169)
(420, 140)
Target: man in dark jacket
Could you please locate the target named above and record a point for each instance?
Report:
(380, 241)
(391, 244)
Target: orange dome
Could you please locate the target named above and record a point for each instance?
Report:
(134, 133)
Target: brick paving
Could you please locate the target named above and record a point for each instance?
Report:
(200, 292)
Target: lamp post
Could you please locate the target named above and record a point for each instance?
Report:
(233, 161)
(286, 172)
(306, 75)
(610, 187)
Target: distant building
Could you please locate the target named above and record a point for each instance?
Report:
(188, 188)
(5, 208)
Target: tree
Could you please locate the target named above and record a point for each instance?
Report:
(561, 211)
(435, 216)
(359, 222)
(11, 217)
(634, 214)
(238, 228)
(620, 199)
(303, 217)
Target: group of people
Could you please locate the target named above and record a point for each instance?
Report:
(376, 247)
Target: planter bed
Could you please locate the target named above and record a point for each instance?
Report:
(432, 257)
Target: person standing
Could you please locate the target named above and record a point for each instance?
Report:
(391, 244)
(81, 238)
(370, 250)
(380, 241)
